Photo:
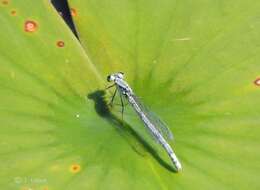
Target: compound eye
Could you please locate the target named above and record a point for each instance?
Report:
(121, 75)
(109, 78)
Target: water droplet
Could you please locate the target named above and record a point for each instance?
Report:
(74, 168)
(77, 115)
(257, 82)
(60, 43)
(73, 12)
(60, 13)
(30, 26)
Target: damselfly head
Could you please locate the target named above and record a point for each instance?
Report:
(111, 78)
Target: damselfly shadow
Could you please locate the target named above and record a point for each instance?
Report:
(137, 142)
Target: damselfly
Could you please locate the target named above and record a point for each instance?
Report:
(155, 126)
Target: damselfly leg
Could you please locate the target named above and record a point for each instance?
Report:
(112, 99)
(110, 86)
(122, 104)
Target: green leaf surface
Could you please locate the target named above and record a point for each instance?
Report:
(193, 63)
(45, 114)
(196, 64)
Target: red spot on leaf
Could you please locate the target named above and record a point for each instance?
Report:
(30, 26)
(5, 2)
(74, 168)
(73, 12)
(60, 43)
(257, 82)
(13, 12)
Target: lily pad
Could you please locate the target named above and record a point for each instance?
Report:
(45, 77)
(196, 64)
